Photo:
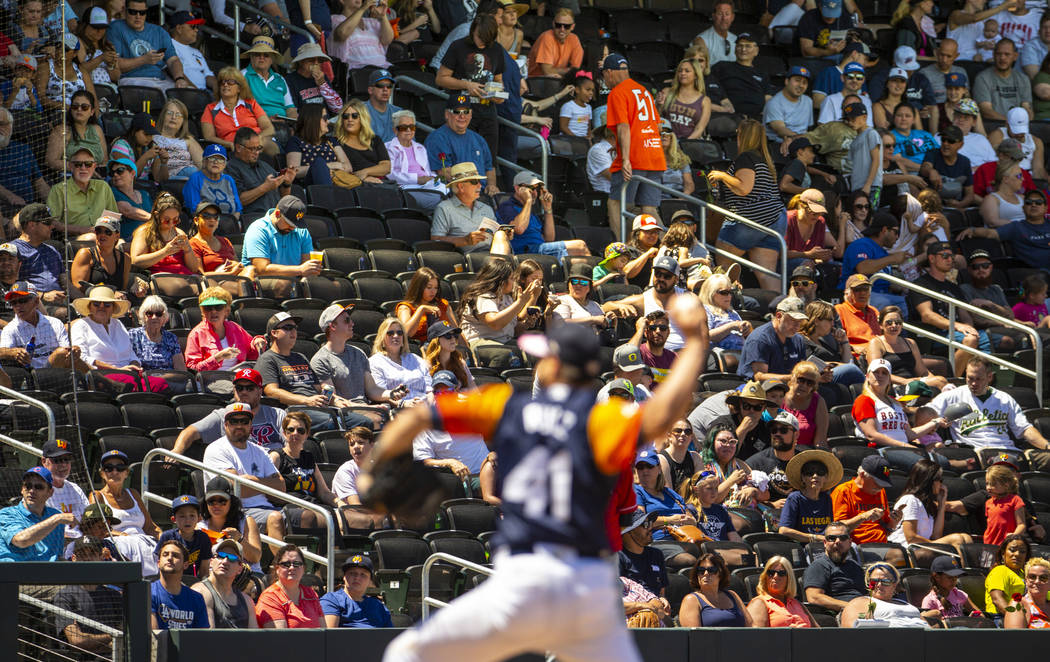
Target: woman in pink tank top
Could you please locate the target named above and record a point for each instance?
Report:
(808, 407)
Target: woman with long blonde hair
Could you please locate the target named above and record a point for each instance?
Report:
(393, 364)
(159, 245)
(369, 159)
(697, 52)
(678, 174)
(750, 189)
(685, 102)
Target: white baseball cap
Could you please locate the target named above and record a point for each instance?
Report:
(1017, 121)
(906, 58)
(880, 363)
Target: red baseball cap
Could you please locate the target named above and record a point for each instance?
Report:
(250, 374)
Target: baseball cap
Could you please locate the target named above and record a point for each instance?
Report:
(620, 384)
(291, 208)
(184, 500)
(126, 162)
(946, 565)
(976, 255)
(897, 72)
(204, 204)
(803, 271)
(113, 454)
(746, 36)
(750, 391)
(797, 145)
(953, 134)
(646, 222)
(527, 178)
(906, 58)
(440, 330)
(98, 511)
(378, 75)
(84, 543)
(36, 211)
(771, 384)
(639, 518)
(235, 408)
(41, 472)
(799, 70)
(28, 60)
(854, 68)
(457, 101)
(793, 307)
(615, 250)
(857, 46)
(814, 199)
(937, 247)
(628, 357)
(572, 344)
(856, 280)
(831, 8)
(787, 418)
(1006, 460)
(329, 314)
(881, 220)
(22, 288)
(878, 469)
(648, 456)
(249, 374)
(228, 542)
(277, 318)
(614, 61)
(189, 18)
(218, 486)
(215, 150)
(446, 378)
(855, 109)
(358, 561)
(667, 263)
(1011, 148)
(968, 107)
(56, 448)
(955, 79)
(10, 249)
(145, 122)
(97, 18)
(683, 216)
(1017, 120)
(880, 363)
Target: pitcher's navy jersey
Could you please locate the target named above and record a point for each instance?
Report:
(559, 457)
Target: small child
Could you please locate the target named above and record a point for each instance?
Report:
(1004, 510)
(575, 116)
(989, 38)
(1032, 310)
(680, 243)
(185, 513)
(944, 596)
(611, 268)
(19, 93)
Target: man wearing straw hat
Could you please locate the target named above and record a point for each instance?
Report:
(308, 84)
(268, 87)
(458, 220)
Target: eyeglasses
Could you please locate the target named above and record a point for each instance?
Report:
(945, 255)
(120, 170)
(982, 266)
(732, 441)
(1039, 579)
(172, 113)
(217, 502)
(239, 420)
(747, 406)
(102, 304)
(406, 127)
(830, 537)
(291, 564)
(286, 327)
(35, 487)
(886, 145)
(724, 293)
(777, 573)
(250, 148)
(659, 327)
(228, 81)
(805, 380)
(351, 116)
(213, 308)
(706, 570)
(885, 581)
(865, 205)
(393, 333)
(295, 430)
(663, 275)
(387, 86)
(681, 432)
(241, 388)
(80, 106)
(82, 164)
(801, 283)
(226, 556)
(110, 468)
(563, 26)
(855, 76)
(135, 12)
(819, 470)
(579, 282)
(208, 215)
(861, 288)
(460, 111)
(782, 429)
(65, 459)
(155, 313)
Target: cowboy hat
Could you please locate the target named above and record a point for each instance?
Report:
(104, 294)
(830, 462)
(519, 8)
(750, 391)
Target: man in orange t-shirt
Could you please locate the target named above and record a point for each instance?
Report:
(859, 319)
(633, 120)
(861, 503)
(558, 50)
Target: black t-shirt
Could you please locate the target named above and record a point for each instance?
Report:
(713, 88)
(747, 87)
(960, 169)
(756, 440)
(468, 62)
(812, 26)
(304, 90)
(797, 171)
(647, 568)
(945, 287)
(366, 158)
(767, 461)
(842, 582)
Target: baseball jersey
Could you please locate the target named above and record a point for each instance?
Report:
(991, 421)
(890, 420)
(631, 104)
(557, 464)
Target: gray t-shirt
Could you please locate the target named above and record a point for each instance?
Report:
(248, 177)
(797, 115)
(860, 157)
(266, 427)
(453, 219)
(993, 293)
(707, 411)
(936, 79)
(346, 370)
(1002, 93)
(292, 372)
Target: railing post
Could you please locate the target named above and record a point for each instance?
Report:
(237, 35)
(623, 212)
(951, 335)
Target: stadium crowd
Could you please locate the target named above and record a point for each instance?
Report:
(256, 266)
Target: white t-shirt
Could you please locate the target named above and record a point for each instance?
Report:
(890, 420)
(990, 423)
(579, 118)
(344, 483)
(599, 158)
(221, 455)
(439, 445)
(474, 329)
(977, 148)
(411, 372)
(831, 108)
(1019, 28)
(69, 499)
(911, 509)
(134, 547)
(194, 66)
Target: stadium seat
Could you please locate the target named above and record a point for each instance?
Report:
(135, 447)
(345, 260)
(442, 262)
(254, 319)
(379, 197)
(393, 261)
(149, 416)
(361, 225)
(409, 230)
(767, 546)
(1035, 486)
(851, 456)
(141, 99)
(329, 288)
(978, 555)
(473, 515)
(741, 549)
(468, 549)
(93, 415)
(377, 289)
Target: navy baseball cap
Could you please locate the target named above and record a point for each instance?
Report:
(189, 18)
(854, 68)
(445, 378)
(614, 61)
(144, 122)
(184, 500)
(798, 70)
(378, 75)
(109, 455)
(456, 101)
(572, 344)
(46, 475)
(359, 561)
(955, 79)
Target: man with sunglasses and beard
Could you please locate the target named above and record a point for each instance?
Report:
(655, 328)
(665, 287)
(783, 433)
(834, 578)
(266, 420)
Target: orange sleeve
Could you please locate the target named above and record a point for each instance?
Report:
(546, 49)
(477, 412)
(842, 503)
(612, 431)
(209, 113)
(863, 408)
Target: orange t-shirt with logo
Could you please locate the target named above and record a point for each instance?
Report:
(631, 104)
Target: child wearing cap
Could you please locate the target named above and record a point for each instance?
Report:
(137, 145)
(611, 268)
(19, 92)
(185, 514)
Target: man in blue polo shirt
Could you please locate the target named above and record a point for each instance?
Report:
(773, 349)
(530, 234)
(454, 143)
(868, 255)
(276, 247)
(31, 530)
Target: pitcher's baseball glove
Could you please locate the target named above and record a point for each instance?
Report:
(403, 487)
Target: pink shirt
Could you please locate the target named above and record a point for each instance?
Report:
(807, 420)
(362, 48)
(202, 343)
(1030, 312)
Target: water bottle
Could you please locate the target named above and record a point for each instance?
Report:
(31, 348)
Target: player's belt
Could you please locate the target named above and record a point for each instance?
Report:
(562, 552)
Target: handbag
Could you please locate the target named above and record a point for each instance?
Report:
(687, 533)
(345, 179)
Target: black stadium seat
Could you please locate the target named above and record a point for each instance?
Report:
(149, 416)
(473, 515)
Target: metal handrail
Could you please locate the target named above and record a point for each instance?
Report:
(428, 601)
(237, 5)
(1035, 372)
(702, 224)
(544, 147)
(237, 482)
(48, 414)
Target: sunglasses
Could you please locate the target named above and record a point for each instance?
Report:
(801, 283)
(563, 26)
(286, 327)
(295, 430)
(110, 468)
(155, 313)
(241, 388)
(805, 380)
(747, 406)
(1039, 579)
(865, 205)
(1035, 201)
(724, 293)
(102, 304)
(80, 106)
(352, 116)
(226, 556)
(407, 127)
(228, 81)
(251, 148)
(208, 215)
(981, 267)
(239, 420)
(855, 76)
(135, 12)
(884, 581)
(816, 471)
(777, 573)
(945, 255)
(681, 432)
(706, 570)
(82, 164)
(393, 333)
(291, 564)
(659, 327)
(213, 308)
(782, 429)
(579, 282)
(217, 502)
(663, 275)
(842, 537)
(461, 111)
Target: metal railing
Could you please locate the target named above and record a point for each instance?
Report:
(428, 601)
(704, 205)
(117, 653)
(544, 147)
(1034, 372)
(48, 414)
(236, 39)
(238, 482)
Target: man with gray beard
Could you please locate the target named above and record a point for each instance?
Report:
(20, 180)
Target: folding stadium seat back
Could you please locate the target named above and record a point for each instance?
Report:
(330, 197)
(360, 226)
(615, 291)
(149, 416)
(957, 487)
(468, 549)
(345, 260)
(1036, 486)
(551, 266)
(310, 323)
(870, 552)
(328, 288)
(978, 555)
(399, 553)
(254, 319)
(217, 382)
(596, 237)
(740, 549)
(789, 549)
(141, 99)
(473, 515)
(852, 456)
(379, 197)
(721, 381)
(394, 261)
(378, 290)
(93, 415)
(443, 262)
(406, 227)
(319, 227)
(135, 447)
(176, 286)
(335, 450)
(366, 323)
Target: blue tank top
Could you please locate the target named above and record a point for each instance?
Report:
(713, 617)
(552, 490)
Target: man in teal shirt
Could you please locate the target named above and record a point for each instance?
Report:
(275, 246)
(30, 530)
(268, 87)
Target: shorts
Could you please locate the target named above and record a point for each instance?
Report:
(638, 193)
(260, 515)
(744, 237)
(553, 248)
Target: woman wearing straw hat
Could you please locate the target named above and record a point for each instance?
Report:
(104, 342)
(510, 35)
(806, 512)
(307, 83)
